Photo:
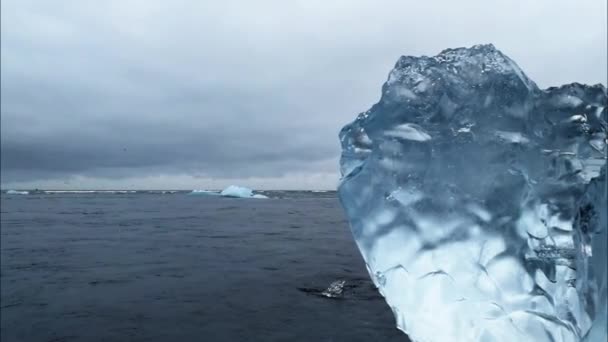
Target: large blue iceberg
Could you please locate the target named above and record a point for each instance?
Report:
(478, 200)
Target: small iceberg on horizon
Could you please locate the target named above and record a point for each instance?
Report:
(16, 192)
(233, 191)
(204, 193)
(240, 192)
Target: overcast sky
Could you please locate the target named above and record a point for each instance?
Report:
(201, 94)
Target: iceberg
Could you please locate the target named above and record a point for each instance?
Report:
(240, 192)
(204, 193)
(231, 191)
(478, 200)
(335, 289)
(16, 192)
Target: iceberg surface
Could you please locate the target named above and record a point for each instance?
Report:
(478, 200)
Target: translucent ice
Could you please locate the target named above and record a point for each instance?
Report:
(478, 200)
(335, 289)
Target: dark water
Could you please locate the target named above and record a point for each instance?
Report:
(174, 267)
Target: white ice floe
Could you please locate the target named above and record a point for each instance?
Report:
(240, 192)
(16, 192)
(205, 193)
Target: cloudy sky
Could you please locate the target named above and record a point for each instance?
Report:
(200, 94)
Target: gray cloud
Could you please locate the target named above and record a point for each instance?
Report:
(194, 93)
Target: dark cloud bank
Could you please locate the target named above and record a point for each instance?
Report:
(190, 94)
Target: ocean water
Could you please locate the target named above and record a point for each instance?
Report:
(175, 267)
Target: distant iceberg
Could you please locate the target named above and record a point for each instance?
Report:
(233, 191)
(240, 192)
(15, 192)
(204, 193)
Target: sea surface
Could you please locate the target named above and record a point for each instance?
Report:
(154, 266)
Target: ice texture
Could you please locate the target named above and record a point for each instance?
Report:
(478, 200)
